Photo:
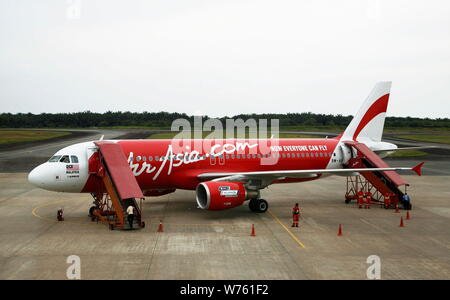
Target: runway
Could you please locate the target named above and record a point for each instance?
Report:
(198, 244)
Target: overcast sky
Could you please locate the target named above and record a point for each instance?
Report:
(223, 57)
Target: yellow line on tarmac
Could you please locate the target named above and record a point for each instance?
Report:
(34, 212)
(287, 229)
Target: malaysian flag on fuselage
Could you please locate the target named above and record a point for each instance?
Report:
(72, 167)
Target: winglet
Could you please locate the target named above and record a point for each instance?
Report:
(418, 169)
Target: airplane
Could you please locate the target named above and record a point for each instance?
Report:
(228, 172)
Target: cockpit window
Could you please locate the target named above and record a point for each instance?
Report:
(54, 158)
(74, 159)
(65, 159)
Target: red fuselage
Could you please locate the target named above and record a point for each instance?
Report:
(166, 164)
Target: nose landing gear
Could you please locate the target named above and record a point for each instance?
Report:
(258, 205)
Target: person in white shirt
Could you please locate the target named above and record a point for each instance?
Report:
(130, 212)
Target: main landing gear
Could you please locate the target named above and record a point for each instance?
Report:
(258, 205)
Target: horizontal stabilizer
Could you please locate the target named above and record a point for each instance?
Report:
(418, 169)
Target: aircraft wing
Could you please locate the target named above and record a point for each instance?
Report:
(281, 174)
(391, 151)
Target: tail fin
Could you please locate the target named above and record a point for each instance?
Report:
(368, 123)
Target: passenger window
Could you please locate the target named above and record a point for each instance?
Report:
(74, 159)
(65, 159)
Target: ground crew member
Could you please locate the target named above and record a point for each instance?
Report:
(387, 200)
(368, 199)
(360, 198)
(406, 201)
(295, 215)
(59, 215)
(130, 212)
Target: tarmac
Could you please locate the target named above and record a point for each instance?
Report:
(198, 244)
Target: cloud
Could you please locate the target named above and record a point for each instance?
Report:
(225, 57)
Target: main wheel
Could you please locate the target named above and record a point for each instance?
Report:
(252, 204)
(261, 206)
(91, 211)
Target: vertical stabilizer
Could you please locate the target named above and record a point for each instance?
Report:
(368, 123)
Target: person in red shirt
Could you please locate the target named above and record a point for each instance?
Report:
(295, 215)
(387, 200)
(360, 198)
(368, 199)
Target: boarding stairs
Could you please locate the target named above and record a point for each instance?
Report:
(379, 183)
(117, 188)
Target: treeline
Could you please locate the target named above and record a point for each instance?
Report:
(165, 119)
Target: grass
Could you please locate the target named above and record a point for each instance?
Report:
(170, 135)
(18, 136)
(444, 139)
(412, 130)
(408, 153)
(337, 129)
(133, 127)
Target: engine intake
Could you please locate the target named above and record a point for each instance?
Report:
(218, 195)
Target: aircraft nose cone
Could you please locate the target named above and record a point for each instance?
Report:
(36, 177)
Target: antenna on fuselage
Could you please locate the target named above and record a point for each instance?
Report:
(101, 138)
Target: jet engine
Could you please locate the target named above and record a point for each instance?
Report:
(218, 195)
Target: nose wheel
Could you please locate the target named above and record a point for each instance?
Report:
(258, 205)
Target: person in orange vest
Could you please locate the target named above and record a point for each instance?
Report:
(368, 199)
(387, 200)
(295, 215)
(360, 198)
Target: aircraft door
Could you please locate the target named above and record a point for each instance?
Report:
(345, 153)
(92, 158)
(222, 159)
(212, 160)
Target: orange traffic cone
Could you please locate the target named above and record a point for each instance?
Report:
(340, 230)
(160, 228)
(408, 217)
(253, 230)
(401, 222)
